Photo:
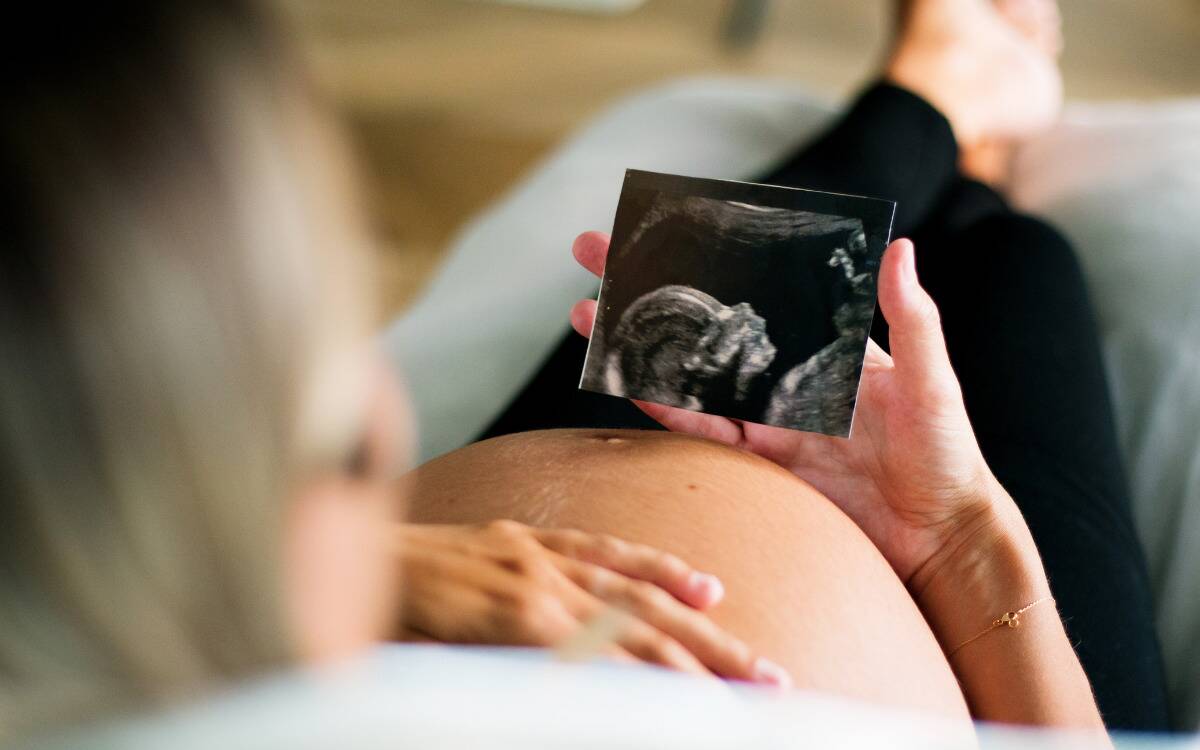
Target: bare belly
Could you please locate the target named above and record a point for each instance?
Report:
(804, 585)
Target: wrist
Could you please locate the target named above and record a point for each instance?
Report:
(988, 565)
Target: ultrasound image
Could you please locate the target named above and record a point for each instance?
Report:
(742, 300)
(679, 345)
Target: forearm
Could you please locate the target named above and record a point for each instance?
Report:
(1027, 674)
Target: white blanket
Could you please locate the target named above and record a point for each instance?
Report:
(442, 698)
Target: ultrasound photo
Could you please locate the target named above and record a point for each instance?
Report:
(748, 301)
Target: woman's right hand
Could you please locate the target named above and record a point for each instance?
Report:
(911, 475)
(506, 583)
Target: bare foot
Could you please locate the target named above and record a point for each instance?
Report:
(991, 71)
(990, 161)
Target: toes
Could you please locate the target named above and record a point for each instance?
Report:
(1021, 14)
(1039, 21)
(1048, 22)
(1053, 25)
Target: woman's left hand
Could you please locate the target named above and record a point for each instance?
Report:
(505, 583)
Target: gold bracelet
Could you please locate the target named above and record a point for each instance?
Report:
(1011, 619)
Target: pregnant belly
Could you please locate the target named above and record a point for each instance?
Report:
(804, 585)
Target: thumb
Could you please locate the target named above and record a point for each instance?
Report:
(915, 327)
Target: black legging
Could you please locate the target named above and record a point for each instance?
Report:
(1020, 331)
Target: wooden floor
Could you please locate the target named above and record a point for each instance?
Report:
(451, 101)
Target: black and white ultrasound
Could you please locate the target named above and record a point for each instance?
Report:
(747, 301)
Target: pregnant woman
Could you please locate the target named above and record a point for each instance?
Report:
(198, 452)
(983, 467)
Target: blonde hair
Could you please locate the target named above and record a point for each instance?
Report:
(181, 316)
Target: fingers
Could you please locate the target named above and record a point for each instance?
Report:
(637, 561)
(652, 646)
(671, 624)
(583, 317)
(591, 249)
(654, 588)
(605, 630)
(712, 427)
(505, 583)
(876, 356)
(918, 347)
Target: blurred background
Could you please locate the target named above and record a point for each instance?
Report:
(449, 102)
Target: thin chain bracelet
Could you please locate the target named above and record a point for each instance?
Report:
(1011, 619)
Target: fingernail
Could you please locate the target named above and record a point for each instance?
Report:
(770, 673)
(706, 587)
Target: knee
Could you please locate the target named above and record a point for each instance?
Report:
(1018, 246)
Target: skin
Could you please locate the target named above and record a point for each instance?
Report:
(341, 590)
(805, 585)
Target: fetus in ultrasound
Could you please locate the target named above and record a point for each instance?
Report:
(678, 345)
(751, 302)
